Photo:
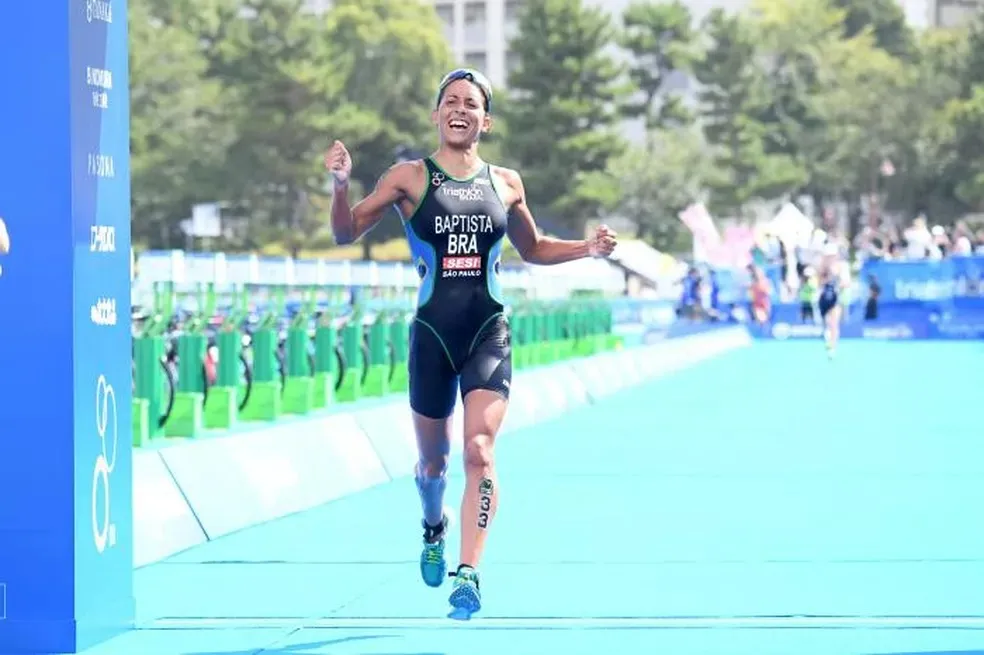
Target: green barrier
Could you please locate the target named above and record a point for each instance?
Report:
(350, 385)
(231, 392)
(544, 333)
(153, 381)
(265, 402)
(376, 379)
(522, 333)
(399, 381)
(565, 331)
(148, 392)
(299, 382)
(314, 368)
(187, 417)
(327, 360)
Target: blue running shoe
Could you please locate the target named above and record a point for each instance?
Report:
(466, 599)
(433, 564)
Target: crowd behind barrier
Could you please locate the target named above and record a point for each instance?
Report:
(901, 299)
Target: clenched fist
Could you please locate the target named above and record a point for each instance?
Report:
(338, 162)
(603, 243)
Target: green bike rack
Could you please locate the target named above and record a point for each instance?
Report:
(378, 374)
(522, 333)
(327, 368)
(350, 388)
(265, 401)
(611, 340)
(223, 400)
(582, 332)
(187, 418)
(399, 338)
(148, 353)
(544, 335)
(299, 383)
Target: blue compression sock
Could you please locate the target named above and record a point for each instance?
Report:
(431, 492)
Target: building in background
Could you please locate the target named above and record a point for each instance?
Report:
(479, 31)
(952, 13)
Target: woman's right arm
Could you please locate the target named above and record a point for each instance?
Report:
(349, 223)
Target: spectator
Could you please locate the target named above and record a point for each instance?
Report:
(761, 291)
(690, 300)
(807, 295)
(871, 306)
(918, 239)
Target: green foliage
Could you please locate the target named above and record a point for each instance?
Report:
(733, 97)
(886, 21)
(661, 40)
(179, 135)
(563, 114)
(234, 101)
(657, 182)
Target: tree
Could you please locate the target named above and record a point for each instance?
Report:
(792, 38)
(564, 116)
(930, 165)
(178, 132)
(886, 21)
(660, 37)
(392, 54)
(959, 129)
(733, 96)
(658, 181)
(856, 80)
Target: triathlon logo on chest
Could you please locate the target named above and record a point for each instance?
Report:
(470, 193)
(462, 258)
(437, 178)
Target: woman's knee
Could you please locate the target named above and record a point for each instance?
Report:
(434, 465)
(478, 451)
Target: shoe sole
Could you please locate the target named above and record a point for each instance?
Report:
(465, 597)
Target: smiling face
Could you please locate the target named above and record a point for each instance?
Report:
(461, 117)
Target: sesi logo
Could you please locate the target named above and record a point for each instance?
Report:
(461, 263)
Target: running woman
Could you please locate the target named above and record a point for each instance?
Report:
(456, 211)
(829, 304)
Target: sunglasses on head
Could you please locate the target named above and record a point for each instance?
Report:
(472, 76)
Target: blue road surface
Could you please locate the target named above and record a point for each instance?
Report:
(768, 501)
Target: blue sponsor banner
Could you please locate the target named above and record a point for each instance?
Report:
(951, 282)
(645, 321)
(928, 326)
(919, 300)
(642, 311)
(882, 330)
(66, 559)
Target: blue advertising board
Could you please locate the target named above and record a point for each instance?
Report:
(918, 300)
(951, 281)
(66, 558)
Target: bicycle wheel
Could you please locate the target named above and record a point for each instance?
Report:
(168, 397)
(247, 374)
(282, 366)
(205, 383)
(365, 361)
(340, 358)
